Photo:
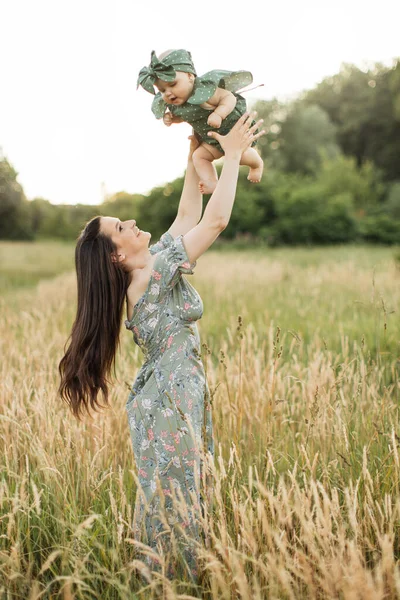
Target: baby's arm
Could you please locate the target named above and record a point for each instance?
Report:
(169, 118)
(225, 102)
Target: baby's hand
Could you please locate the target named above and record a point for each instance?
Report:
(167, 118)
(214, 120)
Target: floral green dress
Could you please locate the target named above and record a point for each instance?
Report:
(169, 410)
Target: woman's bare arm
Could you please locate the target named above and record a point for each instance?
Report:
(219, 208)
(191, 201)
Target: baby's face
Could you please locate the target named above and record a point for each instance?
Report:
(177, 91)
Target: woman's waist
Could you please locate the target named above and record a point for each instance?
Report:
(176, 337)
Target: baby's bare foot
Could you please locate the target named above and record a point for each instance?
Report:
(207, 186)
(255, 174)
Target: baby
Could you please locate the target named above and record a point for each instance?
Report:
(208, 102)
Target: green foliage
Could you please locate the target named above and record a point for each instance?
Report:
(253, 206)
(49, 221)
(332, 174)
(14, 208)
(40, 211)
(60, 221)
(392, 204)
(380, 228)
(298, 136)
(159, 208)
(274, 114)
(306, 135)
(285, 208)
(364, 106)
(307, 215)
(394, 85)
(125, 206)
(342, 175)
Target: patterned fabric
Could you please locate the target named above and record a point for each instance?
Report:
(168, 408)
(204, 88)
(177, 60)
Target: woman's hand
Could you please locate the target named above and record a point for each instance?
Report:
(194, 143)
(240, 137)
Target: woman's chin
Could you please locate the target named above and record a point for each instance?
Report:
(145, 234)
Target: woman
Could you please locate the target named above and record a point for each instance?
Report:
(168, 407)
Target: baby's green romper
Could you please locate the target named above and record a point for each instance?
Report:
(204, 88)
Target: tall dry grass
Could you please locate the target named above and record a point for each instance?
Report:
(301, 352)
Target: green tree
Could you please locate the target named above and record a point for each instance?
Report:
(306, 135)
(392, 204)
(298, 135)
(59, 221)
(123, 205)
(364, 105)
(40, 212)
(159, 208)
(306, 214)
(14, 209)
(250, 209)
(274, 114)
(342, 176)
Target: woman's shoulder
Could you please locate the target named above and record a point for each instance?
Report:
(150, 286)
(139, 282)
(164, 242)
(140, 278)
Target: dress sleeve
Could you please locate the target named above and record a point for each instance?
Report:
(165, 240)
(206, 85)
(169, 266)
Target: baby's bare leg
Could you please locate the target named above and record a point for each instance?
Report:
(252, 159)
(203, 158)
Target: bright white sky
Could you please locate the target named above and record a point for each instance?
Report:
(71, 121)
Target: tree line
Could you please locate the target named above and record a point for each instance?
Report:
(332, 174)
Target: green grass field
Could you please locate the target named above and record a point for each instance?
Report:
(24, 264)
(306, 424)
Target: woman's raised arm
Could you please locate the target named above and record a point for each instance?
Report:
(219, 208)
(191, 201)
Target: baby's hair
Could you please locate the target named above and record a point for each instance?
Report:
(164, 54)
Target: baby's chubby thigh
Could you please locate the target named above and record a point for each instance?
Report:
(206, 152)
(203, 158)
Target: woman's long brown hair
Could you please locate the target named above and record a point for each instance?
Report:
(86, 367)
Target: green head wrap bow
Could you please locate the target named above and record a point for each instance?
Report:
(165, 69)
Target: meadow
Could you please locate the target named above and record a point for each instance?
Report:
(302, 351)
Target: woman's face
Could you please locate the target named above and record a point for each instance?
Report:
(126, 235)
